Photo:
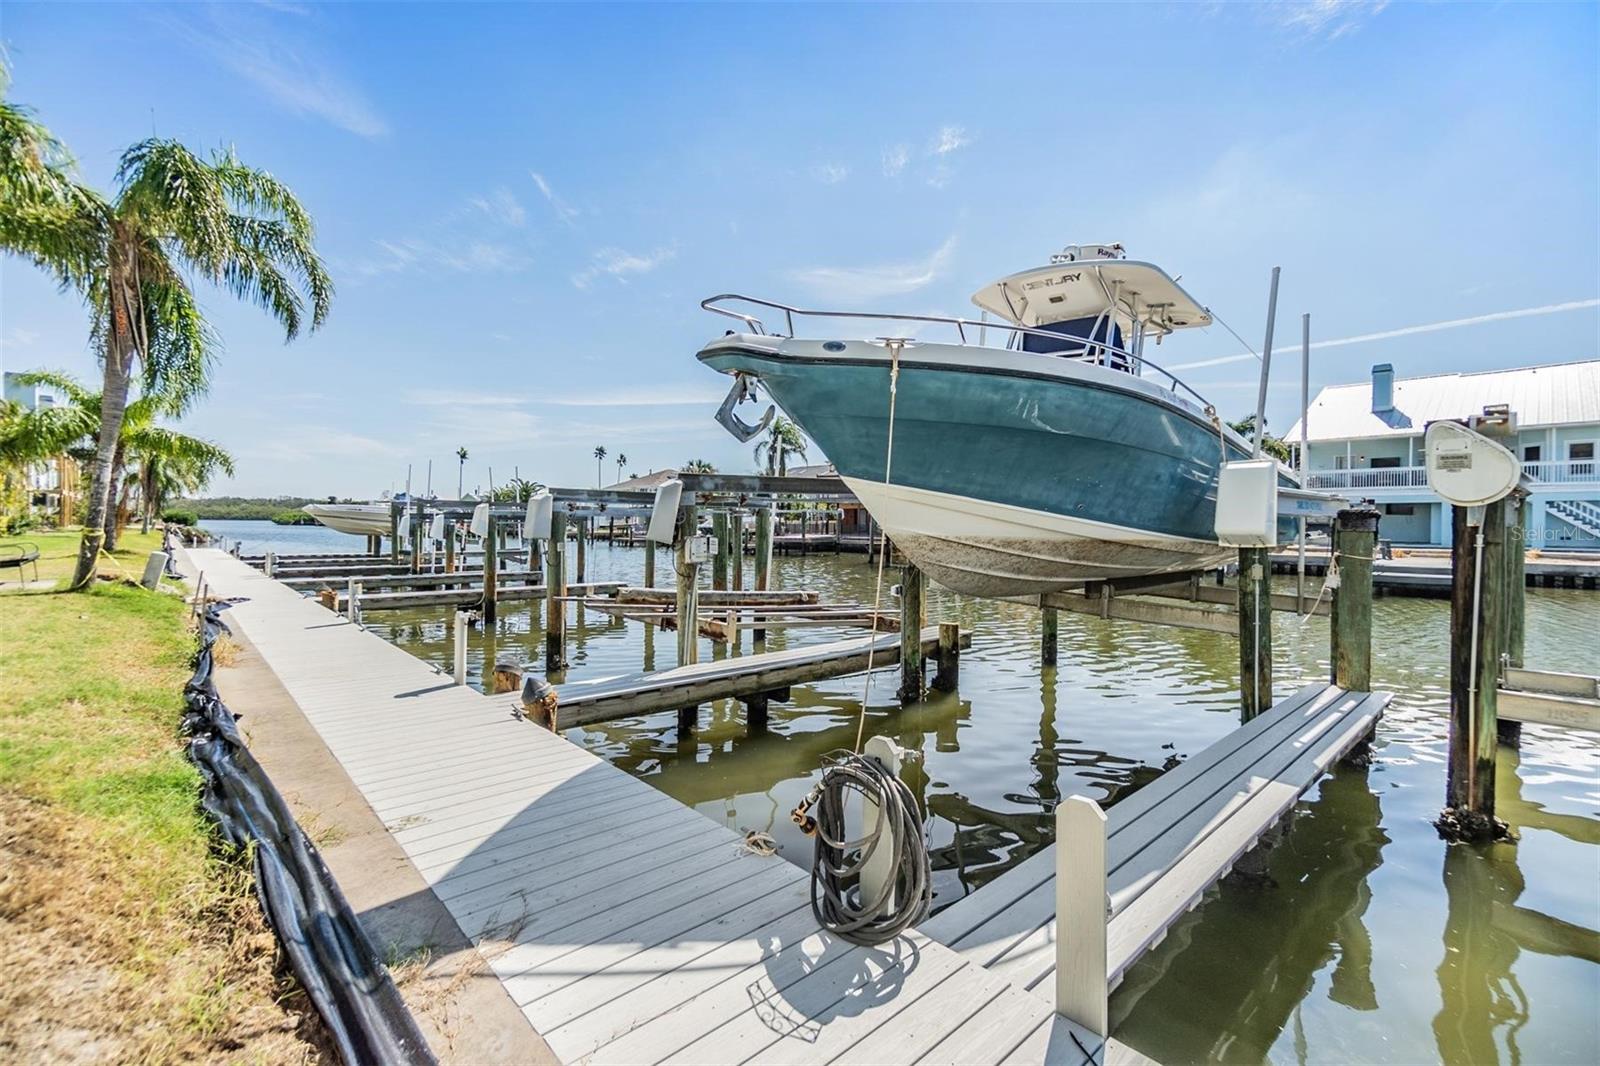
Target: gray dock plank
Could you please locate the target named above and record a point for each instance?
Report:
(628, 927)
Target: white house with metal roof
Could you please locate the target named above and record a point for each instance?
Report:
(1366, 439)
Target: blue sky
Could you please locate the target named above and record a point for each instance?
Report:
(522, 206)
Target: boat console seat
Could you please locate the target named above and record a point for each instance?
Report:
(1080, 339)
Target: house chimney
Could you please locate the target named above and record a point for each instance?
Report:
(1382, 388)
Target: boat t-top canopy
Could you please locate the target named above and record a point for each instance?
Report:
(1067, 290)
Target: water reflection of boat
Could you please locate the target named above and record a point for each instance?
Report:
(1060, 456)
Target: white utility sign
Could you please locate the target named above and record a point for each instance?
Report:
(1467, 468)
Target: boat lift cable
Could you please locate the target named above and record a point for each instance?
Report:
(895, 345)
(872, 889)
(903, 887)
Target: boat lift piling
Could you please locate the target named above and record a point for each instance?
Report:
(721, 563)
(687, 568)
(912, 587)
(491, 571)
(555, 579)
(736, 532)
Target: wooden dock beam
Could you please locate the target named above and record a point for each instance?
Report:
(491, 574)
(555, 608)
(721, 563)
(911, 670)
(763, 547)
(948, 676)
(1255, 631)
(1355, 540)
(1477, 633)
(1510, 730)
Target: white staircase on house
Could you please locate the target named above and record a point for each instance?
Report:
(1579, 513)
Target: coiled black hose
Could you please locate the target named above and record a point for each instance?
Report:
(836, 863)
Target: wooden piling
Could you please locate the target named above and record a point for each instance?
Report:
(1049, 627)
(491, 574)
(720, 563)
(736, 532)
(763, 547)
(688, 604)
(1509, 730)
(583, 551)
(555, 581)
(649, 563)
(688, 592)
(911, 671)
(450, 546)
(416, 540)
(507, 677)
(394, 533)
(948, 676)
(1475, 669)
(1255, 631)
(1355, 540)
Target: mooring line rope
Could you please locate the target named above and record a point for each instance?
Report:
(877, 591)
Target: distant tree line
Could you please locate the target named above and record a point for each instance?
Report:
(280, 509)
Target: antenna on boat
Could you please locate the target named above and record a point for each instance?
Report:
(1266, 362)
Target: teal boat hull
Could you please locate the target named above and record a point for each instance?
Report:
(1020, 477)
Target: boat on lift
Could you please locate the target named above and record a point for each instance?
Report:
(1034, 449)
(360, 519)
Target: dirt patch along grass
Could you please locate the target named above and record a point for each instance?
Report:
(129, 936)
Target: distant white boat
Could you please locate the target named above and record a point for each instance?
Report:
(361, 519)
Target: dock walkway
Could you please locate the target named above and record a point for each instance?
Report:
(1163, 847)
(627, 927)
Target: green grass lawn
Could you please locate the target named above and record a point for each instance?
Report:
(131, 937)
(58, 551)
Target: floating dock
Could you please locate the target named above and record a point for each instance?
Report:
(625, 926)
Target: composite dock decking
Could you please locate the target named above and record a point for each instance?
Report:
(1166, 843)
(627, 927)
(605, 698)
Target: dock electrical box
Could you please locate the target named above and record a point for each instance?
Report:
(1247, 504)
(1467, 468)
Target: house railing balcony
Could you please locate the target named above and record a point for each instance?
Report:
(1555, 472)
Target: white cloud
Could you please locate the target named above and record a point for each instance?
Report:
(1323, 18)
(501, 206)
(638, 397)
(456, 398)
(853, 284)
(19, 338)
(290, 71)
(621, 264)
(467, 257)
(895, 158)
(1406, 331)
(939, 176)
(830, 173)
(312, 443)
(563, 210)
(949, 139)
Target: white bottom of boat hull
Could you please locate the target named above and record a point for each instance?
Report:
(990, 549)
(359, 519)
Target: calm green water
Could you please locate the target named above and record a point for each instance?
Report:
(1368, 939)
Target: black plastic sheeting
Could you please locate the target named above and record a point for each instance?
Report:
(322, 937)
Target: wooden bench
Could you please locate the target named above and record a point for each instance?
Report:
(1069, 921)
(18, 556)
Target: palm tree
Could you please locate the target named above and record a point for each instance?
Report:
(174, 215)
(461, 468)
(622, 460)
(159, 461)
(599, 456)
(783, 439)
(698, 466)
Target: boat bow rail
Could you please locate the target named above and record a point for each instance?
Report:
(1097, 351)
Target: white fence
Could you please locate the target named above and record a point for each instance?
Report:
(1563, 472)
